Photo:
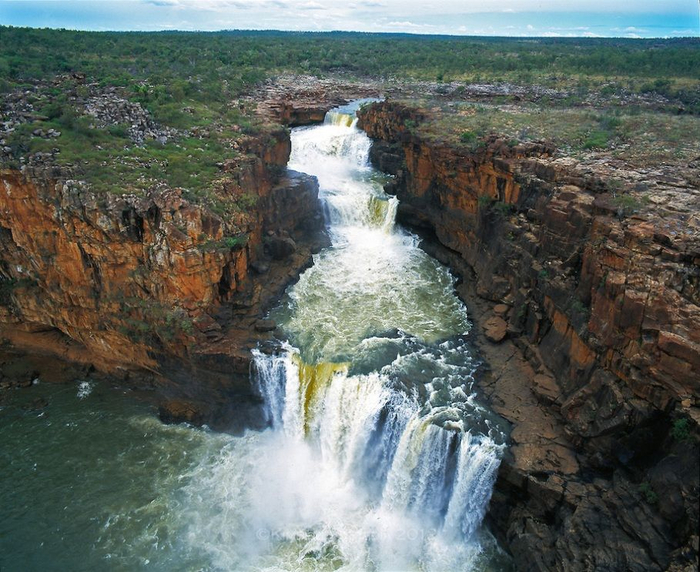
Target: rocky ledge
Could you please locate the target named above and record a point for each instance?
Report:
(304, 100)
(589, 323)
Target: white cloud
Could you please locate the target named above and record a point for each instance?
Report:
(407, 25)
(216, 5)
(311, 5)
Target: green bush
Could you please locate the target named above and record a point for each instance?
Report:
(469, 137)
(648, 493)
(502, 209)
(473, 140)
(597, 139)
(484, 201)
(626, 204)
(235, 242)
(680, 430)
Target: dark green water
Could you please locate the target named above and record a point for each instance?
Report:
(90, 482)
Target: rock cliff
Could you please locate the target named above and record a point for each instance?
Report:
(598, 316)
(156, 288)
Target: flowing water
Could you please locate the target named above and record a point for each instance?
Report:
(378, 455)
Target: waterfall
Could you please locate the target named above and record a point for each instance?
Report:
(416, 469)
(340, 119)
(377, 457)
(371, 400)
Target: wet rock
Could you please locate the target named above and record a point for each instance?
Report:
(279, 247)
(265, 325)
(181, 411)
(260, 267)
(36, 404)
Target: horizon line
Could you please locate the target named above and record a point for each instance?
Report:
(373, 33)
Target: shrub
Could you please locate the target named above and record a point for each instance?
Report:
(484, 201)
(118, 131)
(472, 139)
(468, 137)
(235, 242)
(648, 493)
(626, 204)
(502, 209)
(597, 139)
(680, 430)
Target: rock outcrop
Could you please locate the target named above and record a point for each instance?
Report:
(304, 100)
(599, 372)
(155, 288)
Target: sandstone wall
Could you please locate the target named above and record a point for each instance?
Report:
(155, 283)
(604, 312)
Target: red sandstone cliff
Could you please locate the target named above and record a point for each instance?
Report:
(155, 283)
(602, 364)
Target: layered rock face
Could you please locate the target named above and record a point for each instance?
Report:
(600, 368)
(155, 284)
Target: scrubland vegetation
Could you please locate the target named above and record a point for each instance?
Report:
(193, 84)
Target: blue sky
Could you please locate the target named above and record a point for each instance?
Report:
(639, 18)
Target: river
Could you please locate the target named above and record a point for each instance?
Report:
(378, 456)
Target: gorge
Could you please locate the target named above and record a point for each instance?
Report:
(379, 454)
(380, 392)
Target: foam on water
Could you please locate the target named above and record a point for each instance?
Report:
(84, 389)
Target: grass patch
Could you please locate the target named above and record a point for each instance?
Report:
(638, 137)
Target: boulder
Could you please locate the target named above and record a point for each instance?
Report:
(495, 329)
(279, 247)
(180, 411)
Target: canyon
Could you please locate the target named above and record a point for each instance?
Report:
(587, 316)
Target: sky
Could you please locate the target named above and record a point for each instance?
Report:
(621, 18)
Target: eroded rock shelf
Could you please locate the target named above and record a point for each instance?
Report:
(157, 290)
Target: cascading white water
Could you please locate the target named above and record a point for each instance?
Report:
(374, 405)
